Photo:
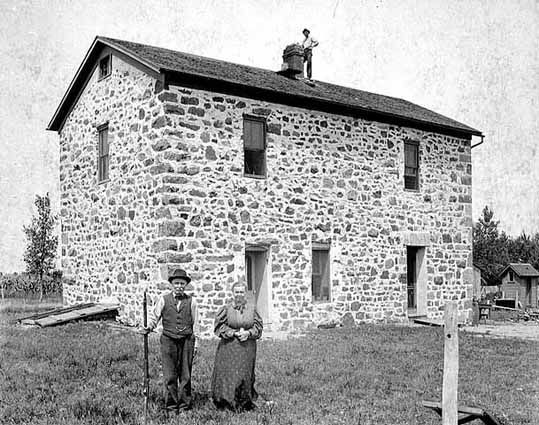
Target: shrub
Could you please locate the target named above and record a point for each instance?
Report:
(42, 243)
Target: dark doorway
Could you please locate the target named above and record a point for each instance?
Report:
(529, 292)
(411, 267)
(256, 270)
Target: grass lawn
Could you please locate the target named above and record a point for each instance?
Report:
(91, 373)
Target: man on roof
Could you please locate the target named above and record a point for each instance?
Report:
(308, 44)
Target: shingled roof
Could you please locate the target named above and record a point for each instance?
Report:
(521, 269)
(227, 77)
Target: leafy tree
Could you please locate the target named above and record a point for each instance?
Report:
(525, 249)
(42, 243)
(494, 250)
(490, 247)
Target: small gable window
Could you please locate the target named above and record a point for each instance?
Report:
(103, 154)
(411, 165)
(254, 146)
(511, 276)
(105, 67)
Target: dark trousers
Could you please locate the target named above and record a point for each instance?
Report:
(177, 357)
(308, 57)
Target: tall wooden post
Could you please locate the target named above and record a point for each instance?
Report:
(146, 367)
(451, 365)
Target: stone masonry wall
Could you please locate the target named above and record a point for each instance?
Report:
(107, 228)
(330, 179)
(177, 197)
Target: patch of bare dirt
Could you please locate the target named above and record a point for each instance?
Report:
(522, 330)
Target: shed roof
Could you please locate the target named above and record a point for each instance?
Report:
(521, 269)
(265, 84)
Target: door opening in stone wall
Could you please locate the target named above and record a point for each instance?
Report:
(256, 271)
(416, 281)
(411, 266)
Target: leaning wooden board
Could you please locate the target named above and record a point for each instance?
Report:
(431, 322)
(57, 317)
(466, 414)
(75, 315)
(30, 320)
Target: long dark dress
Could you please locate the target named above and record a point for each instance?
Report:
(234, 369)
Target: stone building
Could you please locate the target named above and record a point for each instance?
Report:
(332, 203)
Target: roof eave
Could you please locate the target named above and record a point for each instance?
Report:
(73, 91)
(54, 122)
(58, 119)
(233, 87)
(129, 53)
(510, 266)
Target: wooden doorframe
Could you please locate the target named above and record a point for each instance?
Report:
(411, 275)
(263, 295)
(421, 278)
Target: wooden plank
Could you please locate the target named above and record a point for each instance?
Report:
(76, 314)
(56, 320)
(467, 414)
(429, 322)
(59, 310)
(28, 322)
(451, 365)
(500, 307)
(434, 405)
(431, 404)
(464, 418)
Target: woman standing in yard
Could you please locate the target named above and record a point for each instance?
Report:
(238, 325)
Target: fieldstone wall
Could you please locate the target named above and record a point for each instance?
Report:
(177, 197)
(108, 229)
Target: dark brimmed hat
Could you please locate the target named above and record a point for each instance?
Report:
(179, 274)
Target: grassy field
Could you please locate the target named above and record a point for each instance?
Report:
(91, 373)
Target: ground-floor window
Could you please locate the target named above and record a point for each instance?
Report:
(321, 287)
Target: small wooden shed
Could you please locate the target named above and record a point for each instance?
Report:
(519, 282)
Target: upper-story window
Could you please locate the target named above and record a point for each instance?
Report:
(511, 276)
(103, 154)
(105, 67)
(254, 146)
(411, 165)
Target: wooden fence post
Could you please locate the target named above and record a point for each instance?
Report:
(451, 365)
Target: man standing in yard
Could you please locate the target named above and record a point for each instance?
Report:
(179, 340)
(308, 44)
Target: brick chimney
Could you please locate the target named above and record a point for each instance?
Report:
(292, 61)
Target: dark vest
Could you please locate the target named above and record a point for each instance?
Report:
(177, 323)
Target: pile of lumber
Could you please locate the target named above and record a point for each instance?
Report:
(58, 316)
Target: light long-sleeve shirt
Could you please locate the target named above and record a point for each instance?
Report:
(155, 315)
(309, 43)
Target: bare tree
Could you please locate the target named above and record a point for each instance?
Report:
(42, 243)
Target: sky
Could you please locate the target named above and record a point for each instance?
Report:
(476, 61)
